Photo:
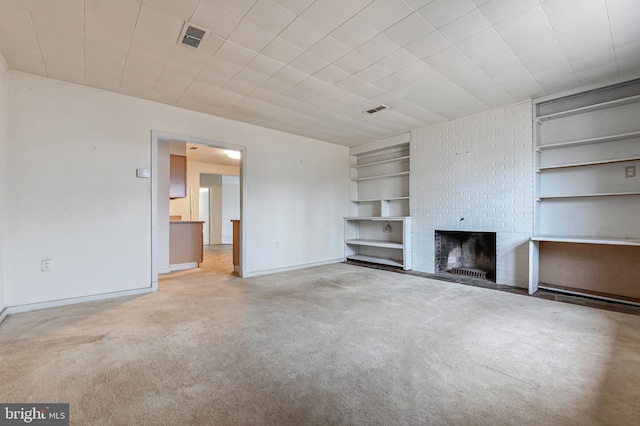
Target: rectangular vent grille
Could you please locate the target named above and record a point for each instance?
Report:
(192, 36)
(376, 109)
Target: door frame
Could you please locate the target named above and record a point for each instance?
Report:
(159, 135)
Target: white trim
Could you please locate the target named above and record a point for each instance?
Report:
(183, 266)
(83, 299)
(290, 268)
(164, 269)
(589, 295)
(3, 315)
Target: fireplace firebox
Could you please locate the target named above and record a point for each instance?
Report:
(471, 254)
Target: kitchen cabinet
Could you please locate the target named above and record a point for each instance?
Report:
(177, 176)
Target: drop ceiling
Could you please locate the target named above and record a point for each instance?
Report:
(312, 67)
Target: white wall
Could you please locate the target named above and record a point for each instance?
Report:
(75, 199)
(479, 168)
(230, 203)
(3, 182)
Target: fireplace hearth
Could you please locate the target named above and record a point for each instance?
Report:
(471, 254)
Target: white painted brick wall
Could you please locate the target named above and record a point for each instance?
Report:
(479, 168)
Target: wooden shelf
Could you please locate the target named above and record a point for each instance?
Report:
(373, 259)
(588, 163)
(375, 163)
(381, 176)
(588, 108)
(588, 240)
(604, 194)
(374, 243)
(380, 199)
(589, 141)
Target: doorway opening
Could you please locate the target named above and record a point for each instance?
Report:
(199, 205)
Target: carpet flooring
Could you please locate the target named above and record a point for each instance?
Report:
(331, 345)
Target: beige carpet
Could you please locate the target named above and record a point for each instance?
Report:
(336, 344)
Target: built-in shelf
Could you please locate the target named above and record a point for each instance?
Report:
(381, 176)
(602, 194)
(380, 199)
(373, 259)
(588, 163)
(588, 108)
(375, 163)
(611, 138)
(588, 240)
(374, 243)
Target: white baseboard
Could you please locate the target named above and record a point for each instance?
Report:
(183, 266)
(63, 302)
(164, 269)
(290, 268)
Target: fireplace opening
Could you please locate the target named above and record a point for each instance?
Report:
(471, 254)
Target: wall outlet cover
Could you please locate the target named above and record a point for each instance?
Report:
(630, 171)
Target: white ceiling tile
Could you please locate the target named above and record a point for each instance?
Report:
(145, 57)
(398, 60)
(165, 98)
(282, 51)
(240, 86)
(369, 91)
(23, 59)
(429, 45)
(15, 4)
(123, 11)
(355, 5)
(64, 13)
(102, 29)
(312, 85)
(295, 6)
(215, 19)
(55, 32)
(100, 82)
(16, 38)
(484, 40)
(497, 11)
(331, 74)
(252, 77)
(417, 4)
(350, 84)
(212, 78)
(353, 62)
(410, 29)
(134, 89)
(235, 53)
(270, 16)
(465, 27)
(183, 69)
(302, 34)
(382, 14)
(378, 47)
(17, 16)
(308, 63)
(159, 25)
(145, 40)
(439, 13)
(65, 73)
(265, 65)
(329, 49)
(326, 15)
(104, 65)
(183, 9)
(354, 32)
(390, 83)
(250, 36)
(373, 73)
(419, 70)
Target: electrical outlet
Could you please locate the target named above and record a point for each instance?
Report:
(46, 265)
(630, 171)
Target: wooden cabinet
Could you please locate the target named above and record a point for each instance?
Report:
(177, 176)
(380, 230)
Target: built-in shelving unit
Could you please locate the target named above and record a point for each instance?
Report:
(379, 229)
(587, 190)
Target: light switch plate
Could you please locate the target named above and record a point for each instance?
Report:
(143, 173)
(630, 171)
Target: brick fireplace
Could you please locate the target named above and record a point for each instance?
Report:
(466, 253)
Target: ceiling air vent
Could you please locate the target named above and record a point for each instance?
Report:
(192, 36)
(376, 109)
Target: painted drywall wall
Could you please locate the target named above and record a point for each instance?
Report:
(73, 152)
(214, 184)
(3, 182)
(476, 174)
(230, 206)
